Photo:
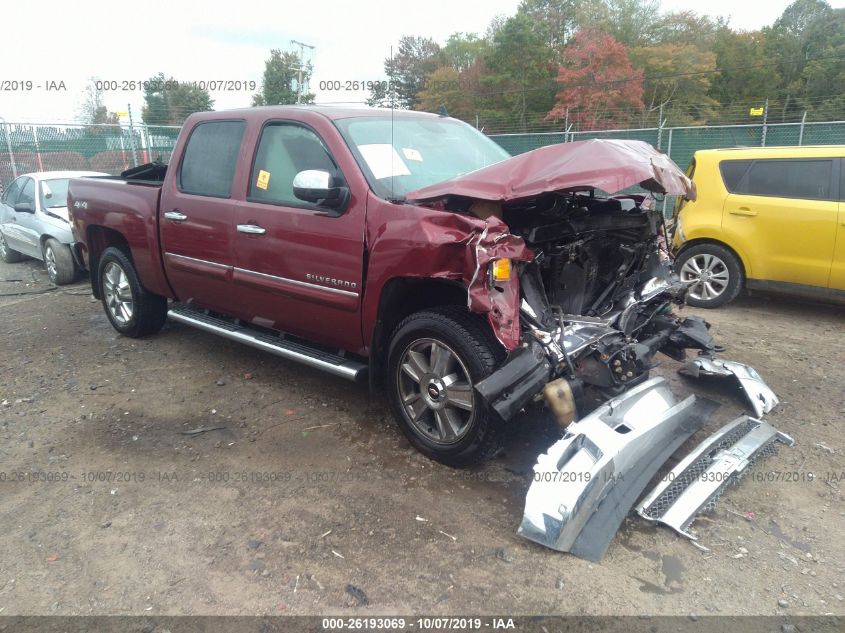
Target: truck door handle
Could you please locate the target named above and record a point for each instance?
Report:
(745, 211)
(252, 229)
(175, 216)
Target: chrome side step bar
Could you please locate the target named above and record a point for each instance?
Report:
(268, 342)
(697, 482)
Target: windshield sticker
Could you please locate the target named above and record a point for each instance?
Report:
(412, 154)
(383, 160)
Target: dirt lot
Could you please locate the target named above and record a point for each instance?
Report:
(308, 487)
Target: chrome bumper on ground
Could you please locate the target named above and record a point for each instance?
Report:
(588, 481)
(696, 483)
(761, 397)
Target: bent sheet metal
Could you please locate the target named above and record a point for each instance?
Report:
(696, 483)
(758, 393)
(588, 481)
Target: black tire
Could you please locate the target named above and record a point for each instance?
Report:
(59, 262)
(726, 275)
(7, 254)
(475, 354)
(147, 312)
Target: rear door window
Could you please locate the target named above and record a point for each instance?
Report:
(211, 156)
(805, 179)
(732, 173)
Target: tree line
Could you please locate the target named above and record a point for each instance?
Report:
(602, 64)
(582, 65)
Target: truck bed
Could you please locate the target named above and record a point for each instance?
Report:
(120, 212)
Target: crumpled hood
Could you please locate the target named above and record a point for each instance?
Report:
(607, 164)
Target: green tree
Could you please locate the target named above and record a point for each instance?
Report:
(676, 79)
(630, 22)
(824, 73)
(787, 43)
(556, 20)
(462, 49)
(745, 73)
(520, 82)
(406, 71)
(279, 84)
(169, 102)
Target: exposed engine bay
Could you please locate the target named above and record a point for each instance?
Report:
(596, 300)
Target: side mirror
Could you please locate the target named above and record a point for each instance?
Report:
(25, 207)
(319, 187)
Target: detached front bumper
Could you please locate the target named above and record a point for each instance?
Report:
(588, 481)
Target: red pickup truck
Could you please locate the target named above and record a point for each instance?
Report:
(402, 247)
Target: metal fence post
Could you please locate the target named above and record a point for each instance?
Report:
(37, 148)
(8, 134)
(669, 155)
(765, 120)
(801, 129)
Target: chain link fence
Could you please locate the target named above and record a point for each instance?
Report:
(680, 143)
(29, 147)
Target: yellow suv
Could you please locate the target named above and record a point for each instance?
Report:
(768, 218)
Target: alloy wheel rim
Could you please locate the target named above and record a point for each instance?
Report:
(50, 256)
(117, 293)
(2, 246)
(707, 275)
(436, 391)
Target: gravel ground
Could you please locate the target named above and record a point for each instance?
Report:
(305, 498)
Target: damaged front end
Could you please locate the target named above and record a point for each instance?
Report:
(591, 306)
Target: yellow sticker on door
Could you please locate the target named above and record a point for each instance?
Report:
(263, 179)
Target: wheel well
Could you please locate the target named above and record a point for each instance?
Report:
(704, 240)
(401, 297)
(99, 239)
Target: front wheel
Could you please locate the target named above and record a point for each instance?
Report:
(436, 358)
(714, 275)
(59, 262)
(131, 310)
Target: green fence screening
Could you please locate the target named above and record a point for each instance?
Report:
(680, 143)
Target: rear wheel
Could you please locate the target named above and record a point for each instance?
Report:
(131, 310)
(7, 254)
(436, 357)
(59, 262)
(714, 275)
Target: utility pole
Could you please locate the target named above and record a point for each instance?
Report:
(302, 47)
(765, 121)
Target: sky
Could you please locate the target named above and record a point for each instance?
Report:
(58, 47)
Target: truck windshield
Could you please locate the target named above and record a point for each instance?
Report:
(405, 154)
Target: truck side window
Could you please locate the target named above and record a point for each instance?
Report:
(283, 151)
(211, 155)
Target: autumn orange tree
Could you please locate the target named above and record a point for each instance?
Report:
(598, 86)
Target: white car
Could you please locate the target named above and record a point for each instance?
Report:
(34, 222)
